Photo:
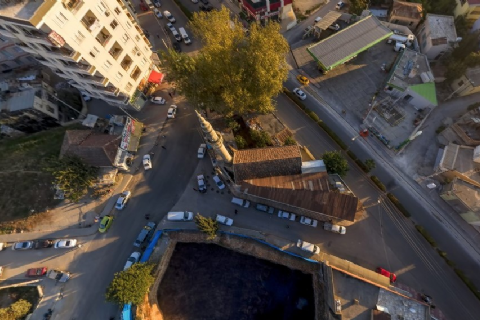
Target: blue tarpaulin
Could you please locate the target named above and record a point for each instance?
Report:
(148, 252)
(127, 312)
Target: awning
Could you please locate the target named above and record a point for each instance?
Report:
(155, 77)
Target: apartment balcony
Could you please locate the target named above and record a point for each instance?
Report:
(90, 21)
(103, 37)
(116, 50)
(95, 80)
(26, 48)
(121, 3)
(126, 63)
(73, 5)
(136, 73)
(65, 53)
(81, 67)
(36, 36)
(111, 91)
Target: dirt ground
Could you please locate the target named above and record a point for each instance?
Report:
(207, 281)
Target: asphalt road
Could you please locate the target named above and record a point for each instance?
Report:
(384, 237)
(160, 189)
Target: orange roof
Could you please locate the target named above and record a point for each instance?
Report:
(266, 154)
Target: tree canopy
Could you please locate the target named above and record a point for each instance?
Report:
(207, 225)
(335, 163)
(235, 72)
(131, 285)
(72, 175)
(17, 310)
(462, 57)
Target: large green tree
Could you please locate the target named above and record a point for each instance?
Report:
(335, 163)
(72, 175)
(357, 6)
(207, 225)
(17, 310)
(131, 285)
(234, 72)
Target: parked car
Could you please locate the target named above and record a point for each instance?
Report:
(202, 187)
(172, 111)
(36, 272)
(3, 246)
(218, 182)
(147, 162)
(58, 275)
(201, 151)
(224, 220)
(205, 2)
(303, 80)
(206, 8)
(308, 222)
(157, 13)
(169, 16)
(286, 215)
(42, 244)
(144, 234)
(158, 100)
(317, 19)
(307, 246)
(334, 26)
(177, 36)
(299, 93)
(65, 243)
(105, 223)
(392, 276)
(241, 202)
(23, 245)
(122, 200)
(134, 258)
(171, 27)
(264, 208)
(176, 47)
(195, 1)
(340, 5)
(334, 228)
(157, 3)
(180, 216)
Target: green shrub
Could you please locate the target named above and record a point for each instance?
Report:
(313, 116)
(473, 106)
(426, 235)
(468, 282)
(187, 12)
(241, 142)
(379, 184)
(399, 206)
(352, 155)
(261, 138)
(289, 141)
(440, 129)
(362, 165)
(443, 254)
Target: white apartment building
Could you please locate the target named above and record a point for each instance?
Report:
(96, 44)
(437, 35)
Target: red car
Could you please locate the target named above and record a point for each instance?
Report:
(36, 272)
(387, 274)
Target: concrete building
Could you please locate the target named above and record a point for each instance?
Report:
(262, 10)
(471, 10)
(412, 80)
(98, 45)
(467, 84)
(406, 14)
(437, 35)
(13, 57)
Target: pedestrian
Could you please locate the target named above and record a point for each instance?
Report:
(163, 147)
(158, 36)
(170, 94)
(236, 211)
(147, 216)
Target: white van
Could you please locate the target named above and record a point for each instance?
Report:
(241, 202)
(180, 216)
(184, 34)
(307, 246)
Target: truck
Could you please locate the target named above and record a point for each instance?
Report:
(402, 39)
(334, 228)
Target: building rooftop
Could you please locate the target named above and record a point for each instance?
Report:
(400, 307)
(19, 100)
(348, 42)
(473, 74)
(412, 70)
(441, 27)
(22, 10)
(309, 191)
(266, 154)
(96, 149)
(407, 9)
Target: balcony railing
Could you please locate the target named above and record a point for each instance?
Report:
(126, 63)
(91, 23)
(115, 52)
(103, 38)
(73, 5)
(136, 73)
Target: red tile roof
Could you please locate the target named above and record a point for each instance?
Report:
(407, 9)
(266, 154)
(96, 149)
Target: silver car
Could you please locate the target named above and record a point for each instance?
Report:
(24, 245)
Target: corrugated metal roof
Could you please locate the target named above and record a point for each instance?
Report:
(328, 20)
(349, 41)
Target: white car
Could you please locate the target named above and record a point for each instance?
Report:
(218, 182)
(134, 257)
(147, 162)
(286, 215)
(202, 187)
(224, 220)
(335, 27)
(122, 200)
(172, 111)
(157, 13)
(24, 245)
(300, 93)
(65, 244)
(308, 222)
(340, 5)
(317, 19)
(157, 3)
(307, 246)
(169, 16)
(158, 100)
(201, 151)
(171, 27)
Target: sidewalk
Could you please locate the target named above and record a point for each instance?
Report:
(78, 220)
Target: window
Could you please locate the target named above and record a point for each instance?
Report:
(17, 61)
(114, 24)
(144, 61)
(119, 76)
(31, 59)
(93, 54)
(12, 29)
(17, 49)
(78, 37)
(101, 7)
(137, 37)
(129, 25)
(60, 19)
(50, 109)
(117, 11)
(2, 40)
(125, 38)
(128, 87)
(107, 65)
(460, 83)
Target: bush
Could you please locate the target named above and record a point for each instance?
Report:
(370, 165)
(379, 184)
(261, 138)
(473, 106)
(443, 254)
(232, 124)
(399, 206)
(241, 142)
(352, 155)
(426, 235)
(187, 12)
(289, 141)
(313, 116)
(467, 281)
(362, 166)
(335, 163)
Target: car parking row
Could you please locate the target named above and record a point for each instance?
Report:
(43, 244)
